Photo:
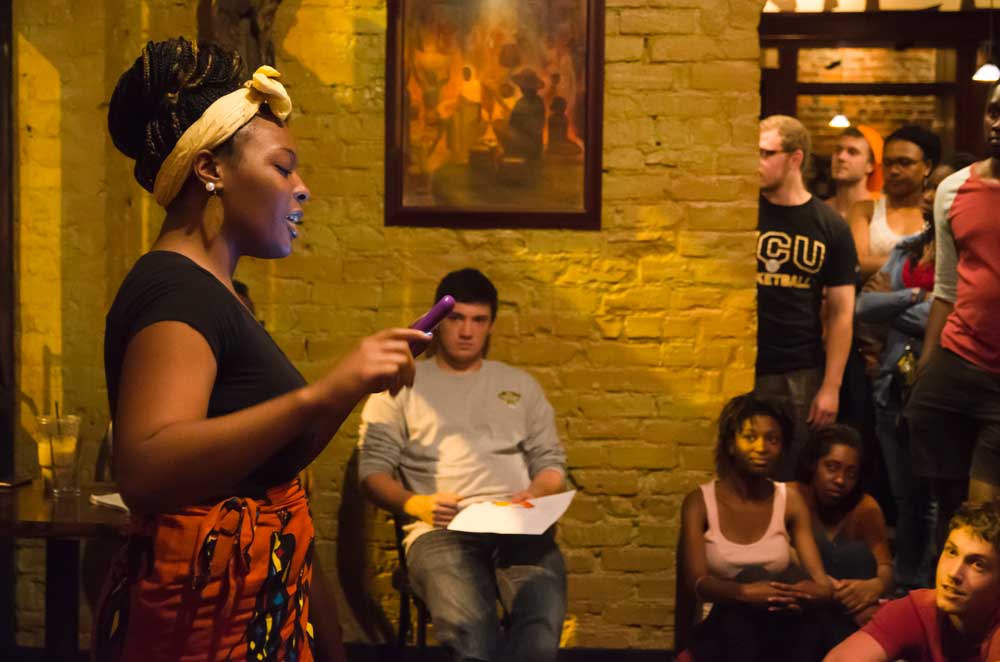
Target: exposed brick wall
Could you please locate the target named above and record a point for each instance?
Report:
(872, 65)
(638, 332)
(884, 113)
(868, 65)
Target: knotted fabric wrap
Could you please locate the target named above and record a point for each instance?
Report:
(220, 121)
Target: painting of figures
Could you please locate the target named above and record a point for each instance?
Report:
(493, 112)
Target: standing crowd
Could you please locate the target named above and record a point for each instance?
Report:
(878, 348)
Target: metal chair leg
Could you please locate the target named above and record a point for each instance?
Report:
(404, 621)
(422, 630)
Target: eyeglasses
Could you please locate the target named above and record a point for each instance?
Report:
(768, 153)
(902, 162)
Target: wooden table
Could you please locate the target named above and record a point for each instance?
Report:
(25, 512)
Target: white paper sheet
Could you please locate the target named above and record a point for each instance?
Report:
(491, 517)
(112, 500)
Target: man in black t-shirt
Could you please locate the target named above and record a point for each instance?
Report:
(803, 249)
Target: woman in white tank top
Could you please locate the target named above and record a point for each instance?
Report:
(735, 549)
(910, 154)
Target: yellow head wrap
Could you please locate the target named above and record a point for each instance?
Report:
(220, 121)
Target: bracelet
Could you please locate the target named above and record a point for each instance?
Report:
(696, 583)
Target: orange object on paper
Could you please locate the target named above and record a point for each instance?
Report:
(523, 504)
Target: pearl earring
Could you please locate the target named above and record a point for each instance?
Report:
(210, 187)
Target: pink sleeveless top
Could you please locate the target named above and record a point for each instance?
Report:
(727, 559)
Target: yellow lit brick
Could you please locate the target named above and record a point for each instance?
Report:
(600, 534)
(661, 268)
(635, 560)
(683, 48)
(682, 103)
(735, 382)
(697, 458)
(640, 613)
(714, 17)
(687, 187)
(586, 455)
(641, 76)
(621, 354)
(659, 21)
(662, 456)
(662, 508)
(725, 272)
(585, 508)
(739, 245)
(656, 585)
(643, 326)
(624, 159)
(623, 49)
(617, 427)
(725, 76)
(677, 483)
(594, 481)
(543, 352)
(617, 404)
(602, 588)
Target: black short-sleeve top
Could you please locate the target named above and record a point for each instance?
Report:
(251, 368)
(801, 249)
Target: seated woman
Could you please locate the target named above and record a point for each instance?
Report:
(737, 535)
(847, 524)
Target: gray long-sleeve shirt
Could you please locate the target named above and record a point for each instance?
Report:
(482, 435)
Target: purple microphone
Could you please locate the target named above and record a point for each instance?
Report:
(432, 318)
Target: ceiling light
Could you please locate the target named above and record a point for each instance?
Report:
(988, 73)
(840, 121)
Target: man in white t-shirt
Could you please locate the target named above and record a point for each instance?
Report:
(471, 430)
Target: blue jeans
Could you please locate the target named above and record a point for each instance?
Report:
(459, 576)
(916, 510)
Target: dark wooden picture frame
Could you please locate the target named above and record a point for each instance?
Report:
(494, 120)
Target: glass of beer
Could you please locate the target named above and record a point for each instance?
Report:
(58, 454)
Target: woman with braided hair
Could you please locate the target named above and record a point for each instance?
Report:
(212, 422)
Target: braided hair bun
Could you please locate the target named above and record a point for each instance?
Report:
(164, 92)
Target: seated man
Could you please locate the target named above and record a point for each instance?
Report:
(958, 620)
(471, 430)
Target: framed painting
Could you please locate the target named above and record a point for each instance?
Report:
(493, 113)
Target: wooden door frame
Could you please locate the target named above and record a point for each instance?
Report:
(963, 31)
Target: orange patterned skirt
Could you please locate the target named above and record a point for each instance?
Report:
(228, 582)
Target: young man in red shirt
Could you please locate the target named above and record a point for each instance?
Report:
(959, 621)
